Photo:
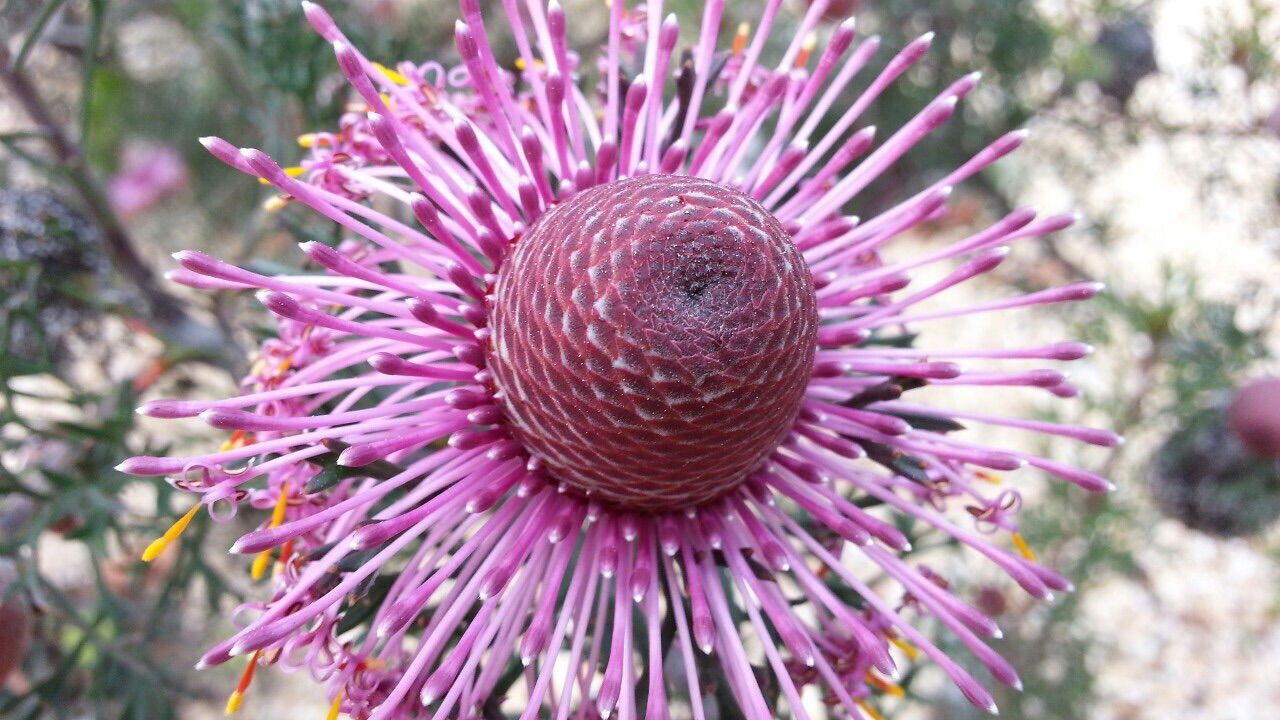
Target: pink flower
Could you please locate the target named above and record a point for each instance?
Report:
(148, 174)
(1254, 416)
(624, 389)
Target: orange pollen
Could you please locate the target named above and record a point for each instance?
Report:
(246, 678)
(740, 39)
(239, 438)
(286, 554)
(989, 477)
(806, 50)
(150, 374)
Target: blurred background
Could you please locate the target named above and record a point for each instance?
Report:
(1158, 122)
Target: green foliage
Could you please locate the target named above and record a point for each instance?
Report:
(99, 638)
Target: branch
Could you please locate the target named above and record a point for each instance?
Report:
(165, 311)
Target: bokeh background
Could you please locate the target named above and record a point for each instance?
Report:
(1158, 122)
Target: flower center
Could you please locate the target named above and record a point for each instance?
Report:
(652, 340)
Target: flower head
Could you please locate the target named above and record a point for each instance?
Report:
(1254, 416)
(148, 174)
(1218, 471)
(608, 380)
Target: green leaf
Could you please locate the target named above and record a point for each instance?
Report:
(900, 463)
(890, 389)
(331, 473)
(37, 29)
(932, 423)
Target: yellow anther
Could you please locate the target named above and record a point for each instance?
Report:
(237, 439)
(292, 171)
(275, 204)
(237, 695)
(335, 707)
(883, 685)
(282, 502)
(386, 99)
(806, 50)
(907, 648)
(284, 365)
(740, 38)
(159, 544)
(307, 140)
(391, 75)
(263, 559)
(1023, 548)
(989, 477)
(260, 563)
(868, 710)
